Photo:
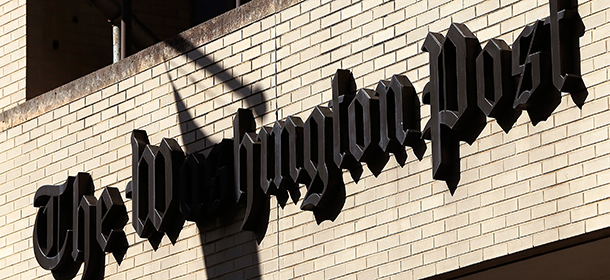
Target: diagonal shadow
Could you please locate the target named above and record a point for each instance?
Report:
(228, 252)
(235, 84)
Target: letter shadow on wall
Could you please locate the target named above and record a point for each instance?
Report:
(228, 252)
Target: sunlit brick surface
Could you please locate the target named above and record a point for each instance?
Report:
(529, 187)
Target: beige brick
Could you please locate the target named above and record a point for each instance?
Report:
(495, 251)
(471, 258)
(355, 265)
(481, 241)
(596, 194)
(456, 222)
(556, 220)
(554, 163)
(604, 207)
(469, 232)
(542, 183)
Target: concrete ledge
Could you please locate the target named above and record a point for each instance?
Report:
(147, 58)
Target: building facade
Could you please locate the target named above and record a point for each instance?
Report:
(530, 201)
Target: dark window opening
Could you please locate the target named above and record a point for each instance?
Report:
(68, 39)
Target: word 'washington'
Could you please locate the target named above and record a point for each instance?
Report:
(466, 84)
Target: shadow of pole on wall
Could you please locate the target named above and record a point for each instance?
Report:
(221, 75)
(228, 252)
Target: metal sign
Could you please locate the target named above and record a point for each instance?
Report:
(467, 83)
(73, 227)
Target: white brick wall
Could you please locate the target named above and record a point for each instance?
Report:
(12, 53)
(529, 187)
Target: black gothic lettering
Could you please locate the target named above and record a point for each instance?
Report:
(452, 94)
(139, 140)
(532, 65)
(82, 181)
(400, 118)
(326, 191)
(445, 144)
(111, 216)
(344, 90)
(256, 218)
(54, 227)
(155, 189)
(566, 28)
(273, 163)
(219, 178)
(205, 183)
(460, 110)
(285, 150)
(166, 216)
(68, 226)
(193, 191)
(466, 84)
(143, 194)
(140, 184)
(86, 248)
(364, 131)
(293, 131)
(243, 123)
(266, 137)
(495, 84)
